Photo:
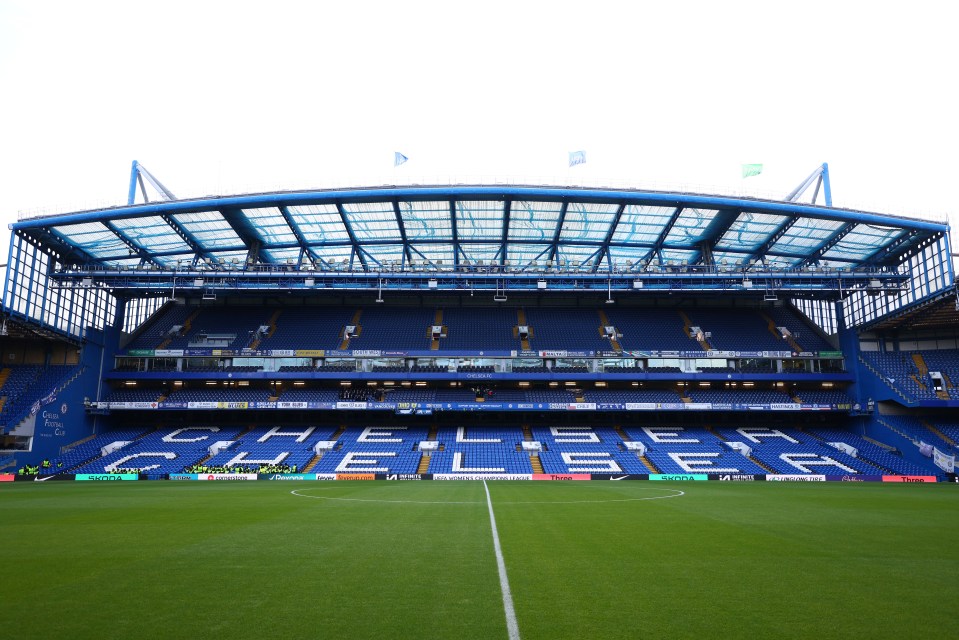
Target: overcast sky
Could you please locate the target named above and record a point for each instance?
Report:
(239, 97)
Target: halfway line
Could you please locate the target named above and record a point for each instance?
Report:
(511, 626)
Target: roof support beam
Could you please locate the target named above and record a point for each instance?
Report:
(716, 230)
(143, 255)
(187, 237)
(295, 228)
(830, 242)
(456, 235)
(884, 253)
(656, 249)
(242, 227)
(402, 227)
(609, 237)
(554, 249)
(773, 239)
(357, 252)
(507, 207)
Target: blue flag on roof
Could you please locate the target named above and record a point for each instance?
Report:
(398, 158)
(576, 157)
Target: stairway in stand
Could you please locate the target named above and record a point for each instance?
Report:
(687, 325)
(424, 465)
(437, 321)
(646, 461)
(534, 460)
(345, 344)
(312, 463)
(187, 325)
(603, 323)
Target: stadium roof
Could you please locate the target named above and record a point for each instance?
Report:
(448, 227)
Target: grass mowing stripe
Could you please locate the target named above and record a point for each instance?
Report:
(511, 624)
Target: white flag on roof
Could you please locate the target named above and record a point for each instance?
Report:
(577, 157)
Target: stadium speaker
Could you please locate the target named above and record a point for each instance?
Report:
(432, 283)
(637, 284)
(540, 284)
(309, 282)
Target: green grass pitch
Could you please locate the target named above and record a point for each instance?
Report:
(399, 560)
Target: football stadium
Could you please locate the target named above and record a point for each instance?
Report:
(479, 410)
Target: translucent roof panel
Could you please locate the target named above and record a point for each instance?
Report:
(426, 220)
(750, 231)
(209, 228)
(578, 255)
(690, 227)
(94, 238)
(474, 252)
(281, 256)
(180, 260)
(781, 262)
(479, 220)
(642, 224)
(230, 257)
(523, 254)
(677, 257)
(627, 257)
(863, 241)
(382, 254)
(729, 259)
(805, 235)
(319, 223)
(123, 262)
(152, 233)
(270, 225)
(332, 255)
(434, 253)
(372, 221)
(587, 221)
(532, 221)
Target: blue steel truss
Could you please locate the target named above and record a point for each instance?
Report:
(595, 231)
(473, 238)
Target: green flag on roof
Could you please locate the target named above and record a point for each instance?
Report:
(752, 170)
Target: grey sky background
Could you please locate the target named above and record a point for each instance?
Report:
(227, 97)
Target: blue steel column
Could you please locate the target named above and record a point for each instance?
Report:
(827, 187)
(6, 281)
(132, 193)
(16, 268)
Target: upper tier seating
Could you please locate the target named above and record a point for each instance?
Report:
(480, 328)
(28, 384)
(470, 329)
(400, 328)
(154, 333)
(803, 333)
(652, 329)
(309, 328)
(565, 329)
(901, 370)
(240, 322)
(736, 329)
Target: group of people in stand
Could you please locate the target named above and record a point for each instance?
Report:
(237, 468)
(44, 468)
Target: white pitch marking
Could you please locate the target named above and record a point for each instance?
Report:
(673, 495)
(511, 625)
